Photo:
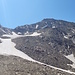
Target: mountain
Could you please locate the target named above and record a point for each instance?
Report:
(50, 42)
(57, 40)
(4, 30)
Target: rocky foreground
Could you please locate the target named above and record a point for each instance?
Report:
(11, 65)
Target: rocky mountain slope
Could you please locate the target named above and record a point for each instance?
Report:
(49, 41)
(52, 45)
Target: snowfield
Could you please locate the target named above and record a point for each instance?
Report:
(16, 35)
(7, 47)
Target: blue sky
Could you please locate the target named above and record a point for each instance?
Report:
(14, 13)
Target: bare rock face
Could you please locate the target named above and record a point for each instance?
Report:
(11, 65)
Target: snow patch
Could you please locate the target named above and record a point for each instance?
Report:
(53, 27)
(11, 36)
(72, 58)
(73, 40)
(34, 34)
(19, 33)
(73, 30)
(26, 33)
(14, 35)
(37, 26)
(66, 37)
